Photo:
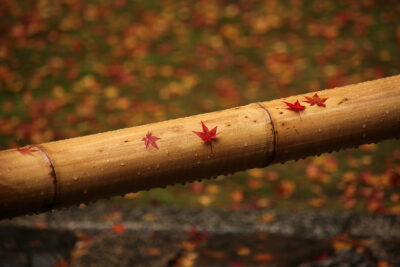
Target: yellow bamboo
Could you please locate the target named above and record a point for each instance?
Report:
(84, 169)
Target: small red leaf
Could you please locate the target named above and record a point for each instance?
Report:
(153, 251)
(118, 228)
(315, 100)
(207, 136)
(296, 106)
(27, 150)
(150, 140)
(264, 257)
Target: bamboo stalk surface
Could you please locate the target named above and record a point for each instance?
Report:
(79, 170)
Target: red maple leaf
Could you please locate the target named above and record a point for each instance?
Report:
(27, 150)
(118, 228)
(150, 139)
(315, 100)
(296, 106)
(207, 136)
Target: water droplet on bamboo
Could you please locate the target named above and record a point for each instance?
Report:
(364, 126)
(75, 177)
(245, 144)
(122, 164)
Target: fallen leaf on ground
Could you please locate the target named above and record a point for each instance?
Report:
(264, 257)
(118, 228)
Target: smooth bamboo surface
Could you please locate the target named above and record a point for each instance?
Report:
(88, 168)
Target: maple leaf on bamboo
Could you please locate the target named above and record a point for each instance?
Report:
(296, 106)
(150, 139)
(207, 135)
(28, 150)
(316, 100)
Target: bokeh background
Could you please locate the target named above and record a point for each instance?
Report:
(70, 68)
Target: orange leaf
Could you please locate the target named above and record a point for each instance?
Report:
(243, 251)
(263, 257)
(153, 251)
(118, 228)
(237, 195)
(341, 245)
(285, 189)
(268, 217)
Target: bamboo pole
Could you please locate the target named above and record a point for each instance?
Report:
(79, 170)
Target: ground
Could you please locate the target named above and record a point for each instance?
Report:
(159, 236)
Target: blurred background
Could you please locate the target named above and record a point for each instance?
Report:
(70, 68)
